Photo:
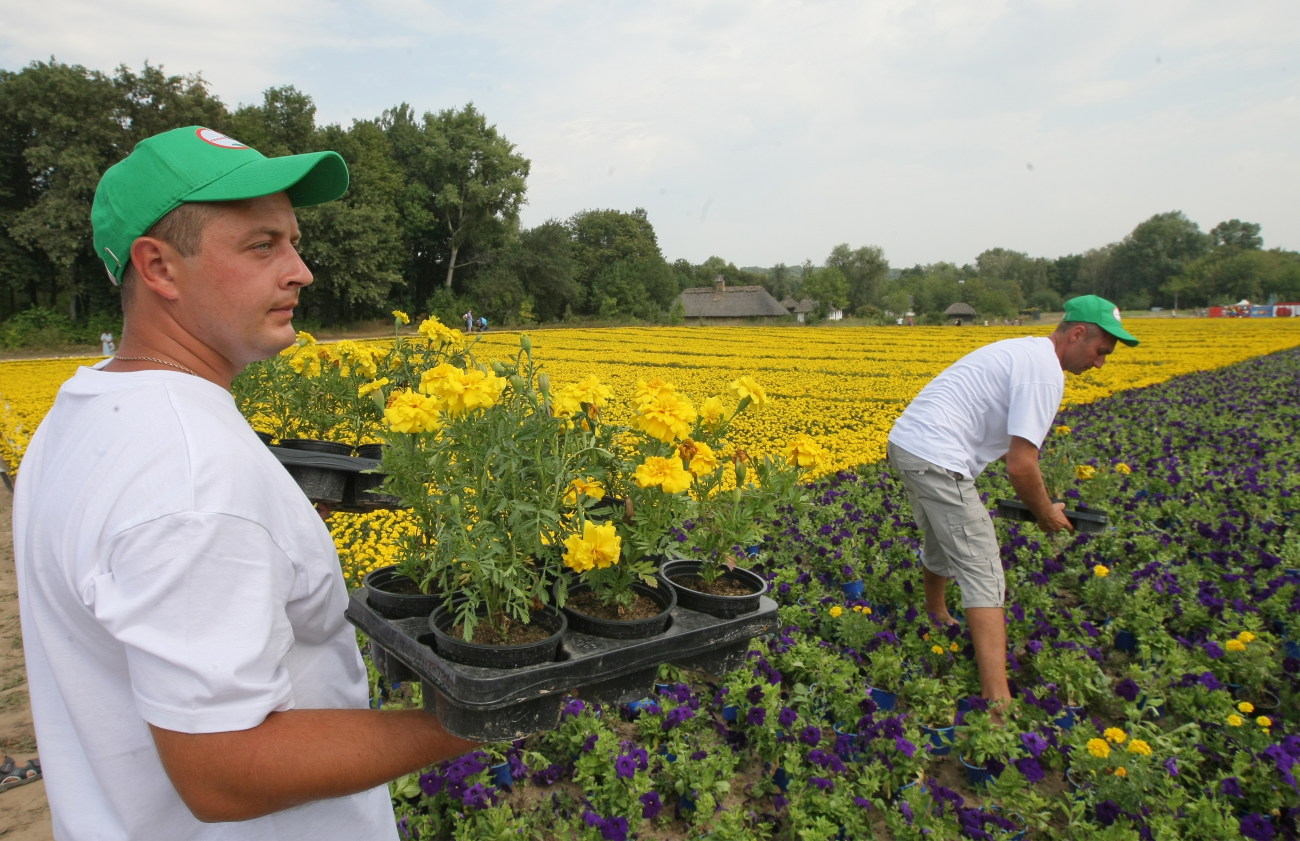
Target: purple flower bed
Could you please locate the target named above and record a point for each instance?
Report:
(1156, 665)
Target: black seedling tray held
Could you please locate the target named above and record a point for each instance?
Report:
(355, 497)
(1089, 521)
(498, 705)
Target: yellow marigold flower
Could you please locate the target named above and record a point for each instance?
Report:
(1085, 471)
(699, 456)
(952, 646)
(1062, 430)
(665, 417)
(1121, 771)
(712, 411)
(1114, 734)
(648, 390)
(1101, 570)
(412, 412)
(584, 486)
(1123, 469)
(936, 648)
(597, 547)
(1098, 748)
(435, 331)
(667, 473)
(835, 611)
(372, 386)
(804, 452)
(304, 339)
(745, 387)
(401, 317)
(1235, 720)
(1139, 747)
(1264, 721)
(1245, 707)
(1246, 637)
(1235, 645)
(462, 391)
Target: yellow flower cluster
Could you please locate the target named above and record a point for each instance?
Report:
(598, 547)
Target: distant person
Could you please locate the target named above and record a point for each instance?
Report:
(996, 402)
(469, 321)
(106, 346)
(189, 662)
(482, 324)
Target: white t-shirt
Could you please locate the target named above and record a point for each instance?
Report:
(966, 416)
(170, 571)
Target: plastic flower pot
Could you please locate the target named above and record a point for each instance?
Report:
(1125, 640)
(319, 479)
(682, 574)
(941, 739)
(1066, 719)
(852, 589)
(885, 700)
(470, 653)
(501, 775)
(396, 596)
(663, 596)
(977, 775)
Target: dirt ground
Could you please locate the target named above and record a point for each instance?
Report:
(24, 812)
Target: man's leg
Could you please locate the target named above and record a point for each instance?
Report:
(936, 602)
(988, 632)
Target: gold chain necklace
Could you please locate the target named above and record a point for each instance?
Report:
(176, 365)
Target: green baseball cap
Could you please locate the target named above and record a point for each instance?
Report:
(197, 164)
(1099, 311)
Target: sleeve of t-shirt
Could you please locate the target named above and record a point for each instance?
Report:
(197, 600)
(1033, 408)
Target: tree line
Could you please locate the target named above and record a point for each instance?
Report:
(431, 225)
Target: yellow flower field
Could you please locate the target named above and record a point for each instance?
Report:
(843, 386)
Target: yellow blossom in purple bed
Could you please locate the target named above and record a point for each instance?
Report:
(1234, 645)
(598, 547)
(1140, 747)
(1246, 637)
(412, 413)
(746, 389)
(1114, 734)
(1062, 429)
(1101, 570)
(1235, 720)
(1264, 721)
(836, 611)
(1085, 471)
(667, 473)
(1245, 707)
(1099, 748)
(1123, 469)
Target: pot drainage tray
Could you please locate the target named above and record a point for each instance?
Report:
(487, 704)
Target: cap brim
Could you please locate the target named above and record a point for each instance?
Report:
(1123, 335)
(307, 179)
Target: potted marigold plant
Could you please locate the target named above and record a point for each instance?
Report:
(485, 466)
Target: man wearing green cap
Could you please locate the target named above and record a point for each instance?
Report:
(182, 603)
(997, 402)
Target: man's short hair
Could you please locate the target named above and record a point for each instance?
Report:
(182, 229)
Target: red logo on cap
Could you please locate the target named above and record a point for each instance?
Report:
(216, 138)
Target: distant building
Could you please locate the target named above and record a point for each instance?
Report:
(723, 302)
(801, 309)
(961, 311)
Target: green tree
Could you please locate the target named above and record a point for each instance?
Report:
(1156, 250)
(828, 288)
(865, 270)
(543, 261)
(1238, 235)
(479, 184)
(284, 124)
(603, 238)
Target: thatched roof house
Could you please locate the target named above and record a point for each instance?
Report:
(961, 309)
(719, 301)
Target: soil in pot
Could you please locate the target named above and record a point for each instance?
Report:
(642, 607)
(722, 586)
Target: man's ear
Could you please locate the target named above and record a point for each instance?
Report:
(156, 264)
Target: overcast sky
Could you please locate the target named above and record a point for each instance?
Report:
(766, 132)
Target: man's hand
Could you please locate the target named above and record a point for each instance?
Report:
(1027, 479)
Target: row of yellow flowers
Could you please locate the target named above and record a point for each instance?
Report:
(843, 387)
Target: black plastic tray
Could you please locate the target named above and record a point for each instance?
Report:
(355, 497)
(499, 705)
(1090, 521)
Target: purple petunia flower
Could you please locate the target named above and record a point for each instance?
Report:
(1212, 649)
(699, 754)
(676, 716)
(1033, 743)
(1231, 787)
(651, 805)
(1127, 689)
(756, 716)
(1171, 765)
(787, 717)
(1256, 827)
(1107, 812)
(614, 828)
(625, 767)
(821, 783)
(905, 747)
(590, 743)
(754, 695)
(477, 796)
(1031, 768)
(862, 802)
(811, 735)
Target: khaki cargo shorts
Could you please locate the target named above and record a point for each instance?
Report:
(960, 542)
